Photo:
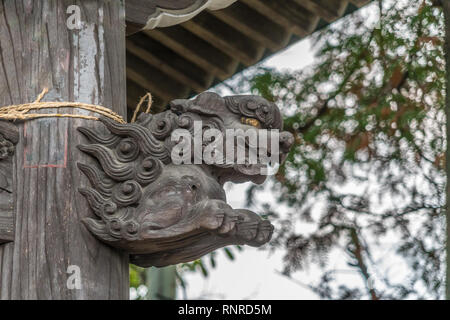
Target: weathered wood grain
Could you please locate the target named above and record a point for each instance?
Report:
(37, 50)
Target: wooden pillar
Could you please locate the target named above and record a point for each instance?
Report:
(85, 64)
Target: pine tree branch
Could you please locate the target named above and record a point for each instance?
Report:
(361, 265)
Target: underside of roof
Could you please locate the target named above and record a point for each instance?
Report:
(213, 44)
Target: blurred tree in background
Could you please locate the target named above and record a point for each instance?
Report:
(368, 167)
(366, 177)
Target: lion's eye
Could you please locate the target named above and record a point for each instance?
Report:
(251, 122)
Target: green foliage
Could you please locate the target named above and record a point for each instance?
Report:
(136, 276)
(369, 126)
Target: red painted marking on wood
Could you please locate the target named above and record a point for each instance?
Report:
(50, 165)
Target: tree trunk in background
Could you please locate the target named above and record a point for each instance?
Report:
(85, 64)
(161, 283)
(446, 8)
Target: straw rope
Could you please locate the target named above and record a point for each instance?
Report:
(149, 98)
(20, 112)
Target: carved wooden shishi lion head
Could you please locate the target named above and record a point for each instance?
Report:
(163, 213)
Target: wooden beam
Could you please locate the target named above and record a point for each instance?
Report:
(446, 48)
(195, 49)
(225, 38)
(360, 3)
(295, 18)
(254, 25)
(153, 80)
(330, 10)
(166, 60)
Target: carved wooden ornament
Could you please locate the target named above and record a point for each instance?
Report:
(165, 13)
(9, 136)
(162, 213)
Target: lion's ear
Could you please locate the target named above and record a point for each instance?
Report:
(208, 103)
(207, 99)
